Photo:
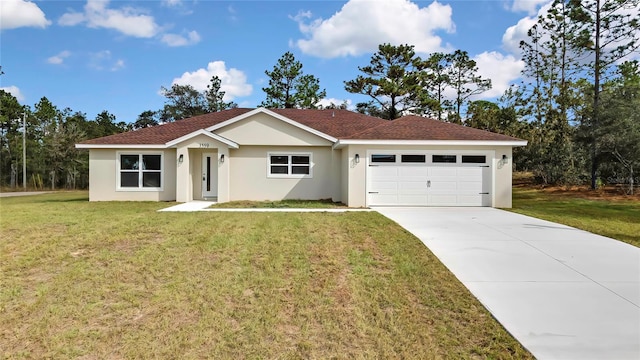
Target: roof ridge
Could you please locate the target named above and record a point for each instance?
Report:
(373, 127)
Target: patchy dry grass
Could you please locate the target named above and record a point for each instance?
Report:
(291, 204)
(604, 212)
(120, 280)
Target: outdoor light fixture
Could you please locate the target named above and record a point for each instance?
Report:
(181, 158)
(357, 158)
(222, 158)
(505, 159)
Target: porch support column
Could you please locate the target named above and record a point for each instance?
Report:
(356, 171)
(223, 174)
(184, 183)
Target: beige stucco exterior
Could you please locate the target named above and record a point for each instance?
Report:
(103, 175)
(262, 129)
(241, 151)
(250, 180)
(354, 178)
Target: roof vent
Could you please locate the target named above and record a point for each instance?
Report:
(333, 114)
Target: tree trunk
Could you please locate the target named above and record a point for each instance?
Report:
(631, 184)
(14, 174)
(596, 99)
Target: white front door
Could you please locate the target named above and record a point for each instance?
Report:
(209, 175)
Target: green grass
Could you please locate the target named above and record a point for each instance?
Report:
(292, 204)
(120, 280)
(618, 219)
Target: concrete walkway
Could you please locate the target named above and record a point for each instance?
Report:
(197, 205)
(190, 206)
(562, 292)
(22, 193)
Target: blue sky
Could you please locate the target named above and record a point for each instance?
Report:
(94, 55)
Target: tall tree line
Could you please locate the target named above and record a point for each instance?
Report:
(577, 105)
(400, 82)
(52, 160)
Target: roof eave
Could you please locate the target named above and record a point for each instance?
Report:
(231, 144)
(121, 146)
(343, 142)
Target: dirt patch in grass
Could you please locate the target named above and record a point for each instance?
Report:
(120, 280)
(525, 181)
(292, 204)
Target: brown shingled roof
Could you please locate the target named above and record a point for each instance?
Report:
(161, 134)
(340, 124)
(420, 128)
(334, 122)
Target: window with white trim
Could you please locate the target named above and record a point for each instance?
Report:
(289, 165)
(139, 171)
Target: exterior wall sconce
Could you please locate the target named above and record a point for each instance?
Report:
(222, 158)
(181, 158)
(505, 159)
(357, 159)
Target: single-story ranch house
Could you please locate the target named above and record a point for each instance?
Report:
(274, 154)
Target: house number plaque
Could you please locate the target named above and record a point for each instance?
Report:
(204, 145)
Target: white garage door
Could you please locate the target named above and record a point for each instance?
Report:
(428, 180)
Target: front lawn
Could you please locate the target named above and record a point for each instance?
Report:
(120, 280)
(612, 216)
(290, 204)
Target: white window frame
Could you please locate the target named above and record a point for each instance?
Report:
(140, 171)
(289, 165)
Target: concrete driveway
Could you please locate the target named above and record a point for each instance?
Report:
(22, 193)
(563, 293)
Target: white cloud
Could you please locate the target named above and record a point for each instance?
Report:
(171, 3)
(233, 81)
(119, 64)
(328, 101)
(528, 6)
(59, 58)
(178, 40)
(15, 91)
(232, 13)
(518, 32)
(103, 60)
(501, 69)
(361, 25)
(21, 13)
(127, 20)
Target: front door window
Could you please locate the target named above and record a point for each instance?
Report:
(209, 175)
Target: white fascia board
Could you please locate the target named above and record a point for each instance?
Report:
(342, 143)
(121, 146)
(275, 115)
(216, 137)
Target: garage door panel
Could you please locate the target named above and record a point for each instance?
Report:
(388, 186)
(412, 192)
(465, 186)
(429, 185)
(450, 186)
(418, 200)
(470, 172)
(442, 199)
(383, 199)
(384, 171)
(413, 171)
(443, 171)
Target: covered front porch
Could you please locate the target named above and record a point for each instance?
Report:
(202, 171)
